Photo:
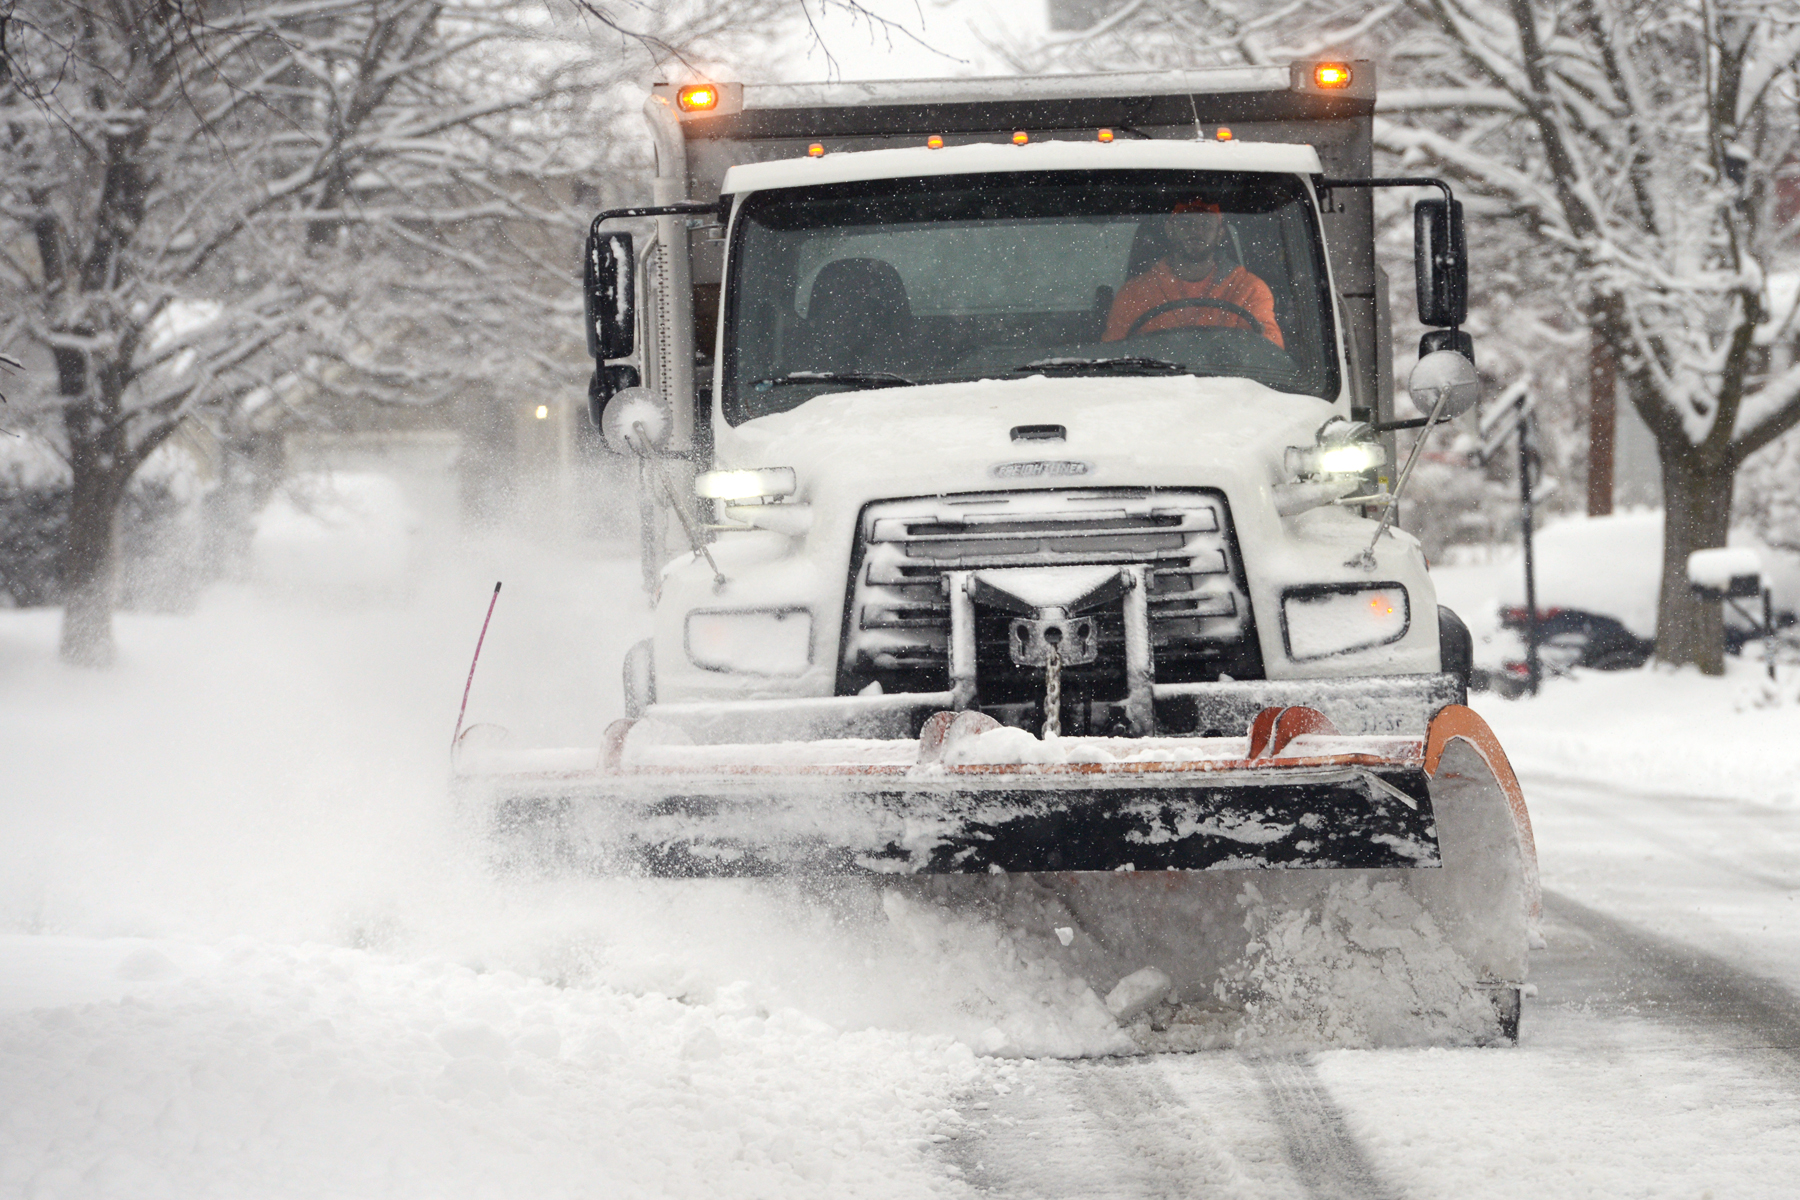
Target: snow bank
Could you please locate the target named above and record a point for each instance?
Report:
(1658, 729)
(1609, 565)
(319, 1070)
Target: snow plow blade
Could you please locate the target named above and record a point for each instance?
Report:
(1178, 861)
(967, 822)
(971, 798)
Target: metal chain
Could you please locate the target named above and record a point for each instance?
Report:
(1053, 693)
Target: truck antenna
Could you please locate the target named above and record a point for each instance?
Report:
(457, 736)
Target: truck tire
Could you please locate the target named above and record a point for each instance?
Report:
(1456, 649)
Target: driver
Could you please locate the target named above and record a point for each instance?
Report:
(1192, 271)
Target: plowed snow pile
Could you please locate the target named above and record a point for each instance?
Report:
(322, 1071)
(1369, 966)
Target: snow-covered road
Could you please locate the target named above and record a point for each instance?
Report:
(242, 954)
(1648, 1065)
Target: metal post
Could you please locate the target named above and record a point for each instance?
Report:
(1769, 631)
(1533, 668)
(962, 640)
(1140, 666)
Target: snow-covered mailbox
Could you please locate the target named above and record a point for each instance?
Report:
(1728, 573)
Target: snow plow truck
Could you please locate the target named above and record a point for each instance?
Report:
(1016, 468)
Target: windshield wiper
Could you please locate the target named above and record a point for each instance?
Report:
(867, 379)
(1126, 365)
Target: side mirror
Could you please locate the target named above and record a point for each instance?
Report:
(608, 292)
(1444, 383)
(637, 420)
(1441, 262)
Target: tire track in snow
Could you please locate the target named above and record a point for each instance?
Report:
(1169, 1127)
(1668, 979)
(1106, 1129)
(1325, 1156)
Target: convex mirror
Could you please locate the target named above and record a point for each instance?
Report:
(637, 420)
(1446, 382)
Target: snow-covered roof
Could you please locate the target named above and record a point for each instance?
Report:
(979, 159)
(859, 93)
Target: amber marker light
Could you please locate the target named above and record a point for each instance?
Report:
(816, 150)
(934, 142)
(1332, 75)
(697, 97)
(1020, 137)
(1224, 134)
(1106, 135)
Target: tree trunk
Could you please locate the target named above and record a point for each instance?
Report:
(1696, 516)
(90, 564)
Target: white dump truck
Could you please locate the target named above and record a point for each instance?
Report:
(1016, 466)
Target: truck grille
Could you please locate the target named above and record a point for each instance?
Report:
(897, 626)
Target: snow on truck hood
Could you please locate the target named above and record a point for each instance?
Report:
(851, 166)
(1132, 432)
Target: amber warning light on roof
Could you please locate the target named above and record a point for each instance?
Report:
(1332, 75)
(697, 97)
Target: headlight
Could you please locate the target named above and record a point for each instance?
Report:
(745, 485)
(754, 641)
(1336, 618)
(1340, 458)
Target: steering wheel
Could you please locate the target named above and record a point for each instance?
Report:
(1196, 302)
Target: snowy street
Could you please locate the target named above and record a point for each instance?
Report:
(1647, 1066)
(245, 952)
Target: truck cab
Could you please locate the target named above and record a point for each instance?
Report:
(1072, 408)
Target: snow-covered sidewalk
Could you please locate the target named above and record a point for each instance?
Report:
(1660, 730)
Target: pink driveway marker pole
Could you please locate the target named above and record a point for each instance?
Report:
(455, 737)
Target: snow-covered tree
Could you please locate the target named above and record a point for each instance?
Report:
(1644, 143)
(204, 205)
(1649, 142)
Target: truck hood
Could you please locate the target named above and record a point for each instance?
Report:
(852, 447)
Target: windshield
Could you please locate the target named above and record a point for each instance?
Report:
(891, 283)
